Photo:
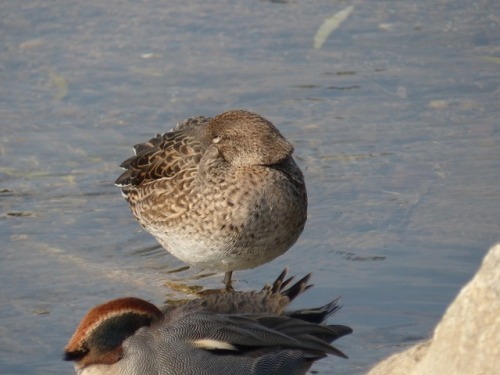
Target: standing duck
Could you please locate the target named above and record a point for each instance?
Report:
(221, 193)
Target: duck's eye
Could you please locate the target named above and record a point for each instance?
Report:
(216, 139)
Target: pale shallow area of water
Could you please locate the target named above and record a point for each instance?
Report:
(394, 121)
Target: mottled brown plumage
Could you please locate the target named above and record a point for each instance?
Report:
(221, 193)
(272, 299)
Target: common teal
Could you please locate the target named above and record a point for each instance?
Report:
(241, 333)
(220, 193)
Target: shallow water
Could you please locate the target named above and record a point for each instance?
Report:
(394, 121)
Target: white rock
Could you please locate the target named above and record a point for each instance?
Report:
(467, 340)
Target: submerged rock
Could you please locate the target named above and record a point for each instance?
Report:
(467, 340)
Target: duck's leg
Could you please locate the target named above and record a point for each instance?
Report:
(228, 282)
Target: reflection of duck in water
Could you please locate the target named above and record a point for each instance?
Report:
(221, 193)
(229, 333)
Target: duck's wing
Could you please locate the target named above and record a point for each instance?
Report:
(252, 335)
(165, 155)
(197, 341)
